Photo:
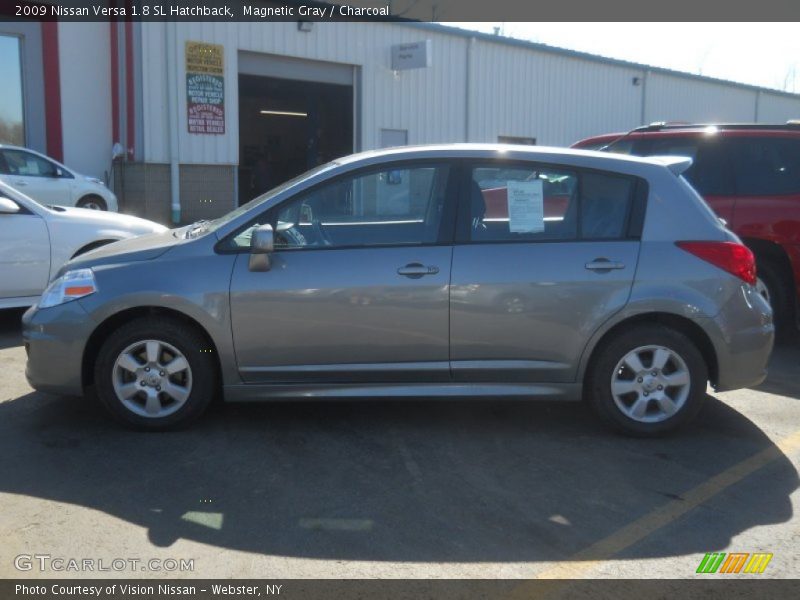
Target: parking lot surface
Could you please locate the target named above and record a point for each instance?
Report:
(387, 489)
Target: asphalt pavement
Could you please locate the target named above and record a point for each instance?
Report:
(482, 489)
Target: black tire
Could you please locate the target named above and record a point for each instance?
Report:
(91, 202)
(608, 356)
(188, 341)
(781, 298)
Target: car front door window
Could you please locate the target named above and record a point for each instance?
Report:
(26, 164)
(388, 207)
(36, 177)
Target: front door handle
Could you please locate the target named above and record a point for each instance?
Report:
(21, 183)
(417, 270)
(603, 264)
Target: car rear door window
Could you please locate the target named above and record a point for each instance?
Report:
(522, 203)
(541, 203)
(768, 166)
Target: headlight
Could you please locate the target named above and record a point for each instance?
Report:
(70, 286)
(96, 180)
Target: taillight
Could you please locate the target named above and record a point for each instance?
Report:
(734, 258)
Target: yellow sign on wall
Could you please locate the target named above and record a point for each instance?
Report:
(204, 58)
(205, 88)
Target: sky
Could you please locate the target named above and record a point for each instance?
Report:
(762, 54)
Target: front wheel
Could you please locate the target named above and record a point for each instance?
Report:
(647, 380)
(92, 203)
(155, 373)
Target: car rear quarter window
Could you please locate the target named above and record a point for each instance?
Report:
(768, 166)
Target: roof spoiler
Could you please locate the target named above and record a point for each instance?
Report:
(677, 164)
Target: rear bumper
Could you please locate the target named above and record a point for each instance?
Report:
(55, 339)
(743, 335)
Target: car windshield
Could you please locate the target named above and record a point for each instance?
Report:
(258, 200)
(6, 191)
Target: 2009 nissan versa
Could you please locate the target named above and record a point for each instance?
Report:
(383, 275)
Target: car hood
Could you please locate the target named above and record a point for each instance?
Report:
(143, 247)
(107, 220)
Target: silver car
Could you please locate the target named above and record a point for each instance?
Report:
(438, 271)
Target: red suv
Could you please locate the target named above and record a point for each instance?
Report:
(749, 175)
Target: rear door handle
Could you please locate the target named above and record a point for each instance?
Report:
(603, 264)
(20, 183)
(417, 270)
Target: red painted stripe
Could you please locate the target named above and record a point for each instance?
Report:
(52, 90)
(114, 81)
(129, 105)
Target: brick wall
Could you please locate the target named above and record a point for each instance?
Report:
(143, 189)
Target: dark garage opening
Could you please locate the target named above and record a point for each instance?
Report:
(286, 127)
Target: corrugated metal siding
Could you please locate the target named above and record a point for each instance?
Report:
(154, 93)
(671, 98)
(773, 108)
(553, 98)
(426, 102)
(86, 96)
(514, 90)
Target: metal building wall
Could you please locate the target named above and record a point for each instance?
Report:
(84, 50)
(426, 102)
(675, 98)
(555, 98)
(775, 108)
(510, 89)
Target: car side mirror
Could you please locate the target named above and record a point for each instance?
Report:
(262, 244)
(8, 207)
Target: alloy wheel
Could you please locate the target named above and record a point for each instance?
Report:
(152, 378)
(650, 384)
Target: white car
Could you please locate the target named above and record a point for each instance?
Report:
(35, 241)
(50, 182)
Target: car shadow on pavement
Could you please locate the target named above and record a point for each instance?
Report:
(784, 368)
(10, 321)
(383, 481)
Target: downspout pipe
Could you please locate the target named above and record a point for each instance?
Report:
(172, 101)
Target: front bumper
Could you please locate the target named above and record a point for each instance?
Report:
(55, 339)
(111, 201)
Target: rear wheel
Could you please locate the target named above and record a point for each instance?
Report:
(155, 373)
(647, 380)
(92, 202)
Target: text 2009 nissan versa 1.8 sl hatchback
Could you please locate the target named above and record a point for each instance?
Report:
(383, 274)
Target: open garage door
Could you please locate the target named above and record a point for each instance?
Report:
(293, 115)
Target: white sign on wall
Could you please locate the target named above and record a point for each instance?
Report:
(416, 55)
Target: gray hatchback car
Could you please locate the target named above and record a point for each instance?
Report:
(436, 271)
